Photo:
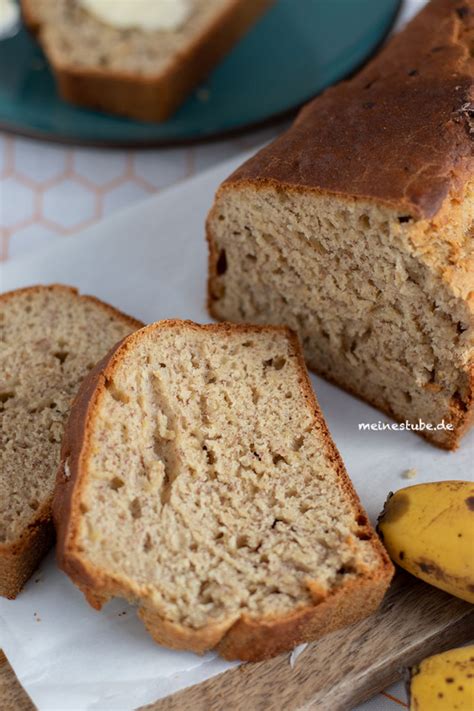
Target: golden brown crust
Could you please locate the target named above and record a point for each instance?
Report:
(133, 322)
(28, 16)
(250, 640)
(156, 97)
(175, 636)
(19, 558)
(239, 637)
(398, 133)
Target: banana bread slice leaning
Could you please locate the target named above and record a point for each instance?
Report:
(355, 228)
(50, 337)
(199, 481)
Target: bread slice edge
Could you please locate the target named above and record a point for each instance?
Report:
(19, 558)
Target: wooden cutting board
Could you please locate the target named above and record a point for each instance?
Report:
(334, 674)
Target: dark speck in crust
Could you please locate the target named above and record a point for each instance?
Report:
(462, 12)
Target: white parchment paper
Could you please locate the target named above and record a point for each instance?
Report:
(150, 261)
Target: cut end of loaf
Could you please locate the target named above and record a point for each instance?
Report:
(204, 486)
(366, 289)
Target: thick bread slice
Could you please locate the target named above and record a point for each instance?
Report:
(50, 337)
(140, 74)
(199, 481)
(355, 228)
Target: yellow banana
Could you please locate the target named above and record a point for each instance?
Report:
(444, 682)
(428, 529)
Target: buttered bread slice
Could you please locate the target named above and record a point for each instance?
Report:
(199, 481)
(137, 68)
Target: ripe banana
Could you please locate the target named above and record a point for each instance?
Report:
(428, 529)
(444, 681)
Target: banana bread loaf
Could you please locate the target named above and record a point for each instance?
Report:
(355, 228)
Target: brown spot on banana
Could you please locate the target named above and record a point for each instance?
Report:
(395, 507)
(430, 568)
(470, 503)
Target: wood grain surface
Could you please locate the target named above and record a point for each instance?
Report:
(333, 674)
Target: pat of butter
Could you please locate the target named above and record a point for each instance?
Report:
(9, 15)
(147, 15)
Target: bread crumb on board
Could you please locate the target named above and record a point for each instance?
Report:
(409, 474)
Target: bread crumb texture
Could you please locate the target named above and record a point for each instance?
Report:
(50, 337)
(208, 484)
(372, 313)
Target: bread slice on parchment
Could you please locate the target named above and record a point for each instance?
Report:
(50, 337)
(199, 481)
(356, 229)
(141, 74)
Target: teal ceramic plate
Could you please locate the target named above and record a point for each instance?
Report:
(293, 53)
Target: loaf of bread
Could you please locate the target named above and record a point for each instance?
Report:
(50, 338)
(355, 228)
(141, 74)
(199, 481)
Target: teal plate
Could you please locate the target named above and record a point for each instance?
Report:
(299, 48)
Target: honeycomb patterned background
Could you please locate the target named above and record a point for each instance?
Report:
(49, 191)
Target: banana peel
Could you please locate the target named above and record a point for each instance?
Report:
(428, 529)
(443, 682)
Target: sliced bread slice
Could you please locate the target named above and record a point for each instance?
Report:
(50, 337)
(142, 74)
(199, 480)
